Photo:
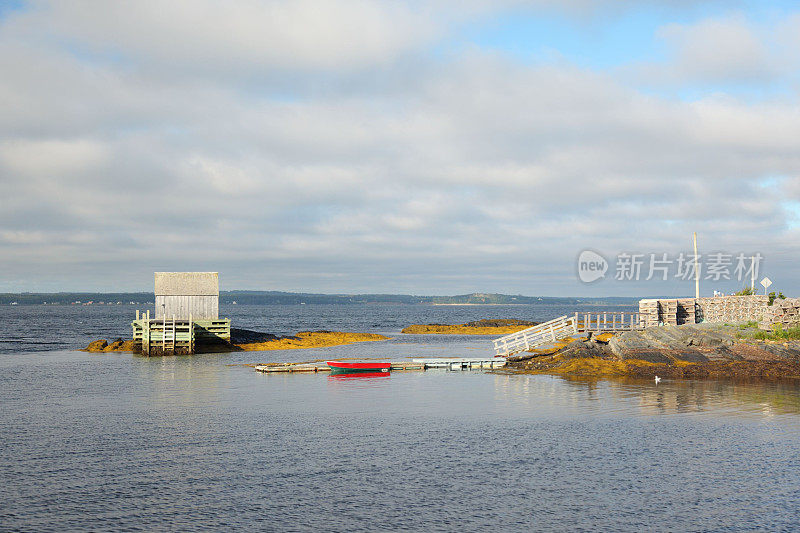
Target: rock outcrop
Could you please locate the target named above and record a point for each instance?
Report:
(102, 346)
(692, 350)
(502, 326)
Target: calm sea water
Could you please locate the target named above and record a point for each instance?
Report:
(119, 442)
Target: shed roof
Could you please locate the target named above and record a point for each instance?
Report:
(187, 284)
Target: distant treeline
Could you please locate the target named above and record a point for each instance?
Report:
(66, 298)
(294, 298)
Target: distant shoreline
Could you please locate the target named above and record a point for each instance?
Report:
(480, 304)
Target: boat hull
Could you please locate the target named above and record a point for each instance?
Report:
(339, 367)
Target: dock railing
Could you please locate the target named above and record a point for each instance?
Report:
(608, 322)
(564, 327)
(547, 332)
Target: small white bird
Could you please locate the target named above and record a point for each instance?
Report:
(658, 379)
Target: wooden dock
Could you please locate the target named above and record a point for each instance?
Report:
(461, 363)
(456, 363)
(172, 336)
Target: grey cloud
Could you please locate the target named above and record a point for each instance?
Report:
(478, 173)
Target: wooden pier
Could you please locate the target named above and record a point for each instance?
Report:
(173, 336)
(457, 363)
(461, 363)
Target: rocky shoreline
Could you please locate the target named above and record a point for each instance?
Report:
(477, 327)
(248, 340)
(688, 351)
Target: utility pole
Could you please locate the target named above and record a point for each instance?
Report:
(696, 269)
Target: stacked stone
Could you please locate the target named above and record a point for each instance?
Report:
(784, 313)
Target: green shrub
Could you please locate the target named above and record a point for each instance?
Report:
(772, 297)
(746, 291)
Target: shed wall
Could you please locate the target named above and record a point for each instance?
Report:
(199, 307)
(183, 283)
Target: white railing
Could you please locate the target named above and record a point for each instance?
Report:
(544, 333)
(607, 322)
(563, 327)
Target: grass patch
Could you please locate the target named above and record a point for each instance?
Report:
(748, 325)
(778, 334)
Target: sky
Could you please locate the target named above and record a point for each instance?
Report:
(434, 147)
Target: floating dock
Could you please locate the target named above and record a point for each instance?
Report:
(461, 363)
(458, 363)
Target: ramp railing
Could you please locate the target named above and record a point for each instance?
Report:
(544, 333)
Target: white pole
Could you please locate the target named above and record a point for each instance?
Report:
(753, 274)
(696, 270)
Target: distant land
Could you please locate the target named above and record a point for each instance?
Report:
(296, 298)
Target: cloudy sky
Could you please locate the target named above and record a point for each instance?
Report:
(413, 147)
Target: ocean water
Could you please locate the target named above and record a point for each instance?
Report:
(42, 328)
(109, 442)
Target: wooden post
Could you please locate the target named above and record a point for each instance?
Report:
(146, 338)
(622, 320)
(696, 270)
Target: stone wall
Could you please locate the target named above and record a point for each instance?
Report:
(693, 310)
(785, 313)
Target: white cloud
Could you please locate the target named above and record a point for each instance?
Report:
(250, 34)
(448, 172)
(51, 158)
(718, 50)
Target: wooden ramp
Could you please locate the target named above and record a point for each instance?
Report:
(545, 333)
(564, 327)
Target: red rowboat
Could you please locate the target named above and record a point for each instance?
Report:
(338, 366)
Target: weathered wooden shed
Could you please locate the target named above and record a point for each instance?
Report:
(186, 315)
(187, 294)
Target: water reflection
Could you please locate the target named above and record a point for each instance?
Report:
(645, 398)
(181, 379)
(362, 376)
